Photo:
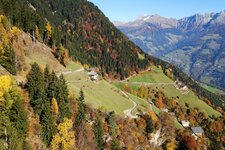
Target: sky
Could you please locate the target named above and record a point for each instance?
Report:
(128, 10)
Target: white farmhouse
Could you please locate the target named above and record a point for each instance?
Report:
(93, 75)
(185, 123)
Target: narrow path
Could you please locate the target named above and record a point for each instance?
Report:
(135, 74)
(147, 83)
(69, 72)
(128, 112)
(128, 78)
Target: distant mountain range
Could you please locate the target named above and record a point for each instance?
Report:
(196, 44)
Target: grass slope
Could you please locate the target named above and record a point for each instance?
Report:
(213, 89)
(156, 75)
(100, 94)
(141, 104)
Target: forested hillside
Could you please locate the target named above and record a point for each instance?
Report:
(40, 107)
(81, 28)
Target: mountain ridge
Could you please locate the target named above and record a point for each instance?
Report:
(208, 17)
(190, 41)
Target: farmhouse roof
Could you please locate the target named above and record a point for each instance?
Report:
(197, 129)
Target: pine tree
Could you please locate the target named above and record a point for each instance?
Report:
(7, 60)
(115, 144)
(98, 131)
(46, 77)
(81, 109)
(149, 125)
(48, 128)
(52, 86)
(36, 88)
(9, 137)
(111, 119)
(63, 101)
(18, 117)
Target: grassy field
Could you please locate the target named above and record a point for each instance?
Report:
(156, 75)
(191, 99)
(121, 86)
(73, 66)
(170, 90)
(142, 104)
(212, 89)
(100, 94)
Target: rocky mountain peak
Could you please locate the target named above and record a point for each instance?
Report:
(156, 20)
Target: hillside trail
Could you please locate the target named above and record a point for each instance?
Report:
(147, 83)
(135, 74)
(128, 112)
(70, 72)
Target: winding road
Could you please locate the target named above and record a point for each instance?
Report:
(128, 112)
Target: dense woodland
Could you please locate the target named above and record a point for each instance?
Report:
(77, 29)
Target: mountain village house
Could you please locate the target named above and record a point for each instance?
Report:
(185, 123)
(92, 74)
(197, 131)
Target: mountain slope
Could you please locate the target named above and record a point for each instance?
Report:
(81, 28)
(41, 113)
(195, 44)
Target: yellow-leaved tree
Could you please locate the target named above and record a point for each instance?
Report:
(171, 145)
(63, 55)
(65, 137)
(54, 110)
(15, 32)
(153, 116)
(4, 38)
(37, 33)
(48, 30)
(5, 83)
(4, 21)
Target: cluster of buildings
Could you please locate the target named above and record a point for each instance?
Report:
(196, 131)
